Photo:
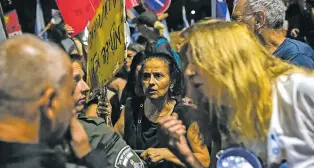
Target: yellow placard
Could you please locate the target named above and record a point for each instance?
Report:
(106, 43)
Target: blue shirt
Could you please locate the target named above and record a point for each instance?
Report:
(296, 52)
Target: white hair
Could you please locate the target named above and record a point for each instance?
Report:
(275, 11)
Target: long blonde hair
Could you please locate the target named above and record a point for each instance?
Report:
(240, 72)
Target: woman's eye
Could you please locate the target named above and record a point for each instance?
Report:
(158, 75)
(146, 76)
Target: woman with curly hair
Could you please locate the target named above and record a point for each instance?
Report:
(160, 80)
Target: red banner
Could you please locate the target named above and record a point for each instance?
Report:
(12, 24)
(131, 4)
(77, 13)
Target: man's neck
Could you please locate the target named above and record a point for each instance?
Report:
(92, 111)
(18, 130)
(272, 39)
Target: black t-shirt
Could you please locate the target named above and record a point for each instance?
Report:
(141, 134)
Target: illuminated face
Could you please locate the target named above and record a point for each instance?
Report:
(193, 74)
(155, 78)
(203, 83)
(81, 87)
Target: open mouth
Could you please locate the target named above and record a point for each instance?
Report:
(151, 91)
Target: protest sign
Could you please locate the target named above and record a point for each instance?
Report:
(12, 24)
(77, 13)
(131, 4)
(106, 43)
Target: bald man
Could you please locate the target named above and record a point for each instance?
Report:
(36, 106)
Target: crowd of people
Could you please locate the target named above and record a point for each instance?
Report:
(241, 86)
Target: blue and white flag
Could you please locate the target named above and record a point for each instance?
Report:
(132, 13)
(40, 21)
(135, 35)
(185, 20)
(166, 31)
(221, 11)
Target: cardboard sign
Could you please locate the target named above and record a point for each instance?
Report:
(131, 3)
(106, 43)
(77, 13)
(12, 24)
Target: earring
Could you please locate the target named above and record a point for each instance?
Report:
(171, 88)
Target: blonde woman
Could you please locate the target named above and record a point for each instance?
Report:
(271, 102)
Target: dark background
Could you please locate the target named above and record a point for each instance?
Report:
(26, 10)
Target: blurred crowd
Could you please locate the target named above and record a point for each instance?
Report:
(225, 94)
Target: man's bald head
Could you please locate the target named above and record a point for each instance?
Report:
(28, 65)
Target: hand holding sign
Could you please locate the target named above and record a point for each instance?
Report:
(68, 30)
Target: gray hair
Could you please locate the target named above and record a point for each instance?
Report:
(275, 11)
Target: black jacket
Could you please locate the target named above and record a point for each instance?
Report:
(22, 155)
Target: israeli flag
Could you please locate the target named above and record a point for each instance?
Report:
(40, 22)
(185, 20)
(166, 31)
(221, 11)
(133, 13)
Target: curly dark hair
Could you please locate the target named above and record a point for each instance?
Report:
(176, 75)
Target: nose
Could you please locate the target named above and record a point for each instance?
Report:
(151, 80)
(189, 71)
(85, 87)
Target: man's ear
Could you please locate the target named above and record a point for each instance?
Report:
(46, 102)
(260, 20)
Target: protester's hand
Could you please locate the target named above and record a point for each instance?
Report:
(79, 142)
(174, 133)
(156, 154)
(104, 108)
(295, 32)
(69, 30)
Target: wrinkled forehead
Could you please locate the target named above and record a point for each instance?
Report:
(156, 64)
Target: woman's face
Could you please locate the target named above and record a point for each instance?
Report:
(155, 78)
(194, 75)
(128, 60)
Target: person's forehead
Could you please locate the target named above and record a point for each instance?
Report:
(131, 52)
(77, 69)
(156, 64)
